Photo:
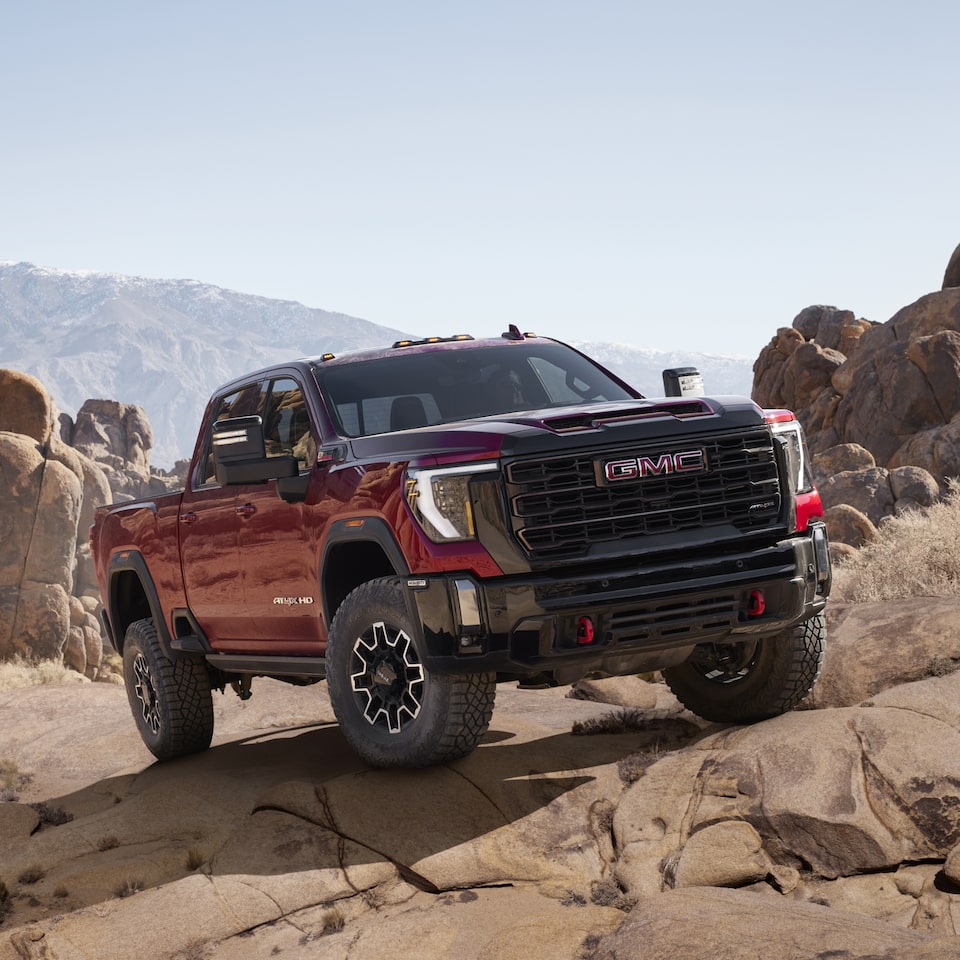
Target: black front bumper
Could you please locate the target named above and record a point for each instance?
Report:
(641, 616)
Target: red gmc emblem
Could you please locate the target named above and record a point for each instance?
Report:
(657, 465)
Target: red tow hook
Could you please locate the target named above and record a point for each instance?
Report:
(756, 604)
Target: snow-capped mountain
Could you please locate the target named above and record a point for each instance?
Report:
(165, 344)
(168, 344)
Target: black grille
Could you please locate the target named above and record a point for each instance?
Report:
(560, 506)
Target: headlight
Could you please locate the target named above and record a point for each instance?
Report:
(790, 434)
(440, 500)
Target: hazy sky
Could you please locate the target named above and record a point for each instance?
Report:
(674, 174)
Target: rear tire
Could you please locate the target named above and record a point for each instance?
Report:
(170, 699)
(753, 680)
(393, 711)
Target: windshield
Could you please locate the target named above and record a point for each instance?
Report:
(405, 391)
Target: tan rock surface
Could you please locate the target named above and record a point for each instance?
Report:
(278, 840)
(874, 646)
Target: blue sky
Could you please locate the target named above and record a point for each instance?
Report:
(671, 175)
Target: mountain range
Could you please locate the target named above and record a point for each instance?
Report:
(168, 344)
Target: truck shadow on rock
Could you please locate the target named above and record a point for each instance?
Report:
(297, 801)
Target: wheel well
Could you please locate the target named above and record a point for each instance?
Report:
(346, 566)
(130, 603)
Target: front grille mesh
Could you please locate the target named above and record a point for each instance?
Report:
(559, 508)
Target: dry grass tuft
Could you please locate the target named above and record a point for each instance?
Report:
(128, 888)
(333, 921)
(12, 779)
(108, 843)
(195, 859)
(21, 672)
(915, 556)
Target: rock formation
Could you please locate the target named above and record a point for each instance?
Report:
(50, 489)
(951, 276)
(880, 404)
(823, 833)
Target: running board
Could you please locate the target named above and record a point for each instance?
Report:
(269, 666)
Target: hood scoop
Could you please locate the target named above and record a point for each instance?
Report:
(597, 419)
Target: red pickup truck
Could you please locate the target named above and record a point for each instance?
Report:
(415, 524)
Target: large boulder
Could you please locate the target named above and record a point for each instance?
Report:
(50, 492)
(38, 529)
(855, 806)
(25, 406)
(880, 403)
(877, 645)
(904, 379)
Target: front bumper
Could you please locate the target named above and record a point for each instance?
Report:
(641, 616)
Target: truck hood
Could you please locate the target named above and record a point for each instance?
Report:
(557, 429)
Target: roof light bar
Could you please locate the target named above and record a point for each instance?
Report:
(419, 343)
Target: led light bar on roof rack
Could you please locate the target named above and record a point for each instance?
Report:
(420, 343)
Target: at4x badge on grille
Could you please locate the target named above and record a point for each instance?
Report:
(651, 465)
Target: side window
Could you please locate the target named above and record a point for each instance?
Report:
(286, 423)
(241, 403)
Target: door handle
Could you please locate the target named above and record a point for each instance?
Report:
(246, 510)
(190, 517)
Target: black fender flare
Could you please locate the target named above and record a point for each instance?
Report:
(132, 561)
(374, 530)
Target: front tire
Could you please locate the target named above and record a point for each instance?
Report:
(170, 699)
(393, 711)
(753, 680)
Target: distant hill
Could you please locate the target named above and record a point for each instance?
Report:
(644, 367)
(167, 344)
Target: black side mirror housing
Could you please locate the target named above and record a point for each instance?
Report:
(682, 382)
(240, 455)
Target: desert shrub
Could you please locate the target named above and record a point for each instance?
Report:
(607, 893)
(914, 556)
(630, 769)
(6, 902)
(31, 874)
(624, 720)
(108, 843)
(51, 816)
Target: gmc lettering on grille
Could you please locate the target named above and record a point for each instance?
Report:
(657, 465)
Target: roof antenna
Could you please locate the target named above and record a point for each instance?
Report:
(513, 333)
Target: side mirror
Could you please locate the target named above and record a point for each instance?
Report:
(240, 456)
(682, 382)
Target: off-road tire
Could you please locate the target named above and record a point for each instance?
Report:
(743, 683)
(170, 699)
(392, 710)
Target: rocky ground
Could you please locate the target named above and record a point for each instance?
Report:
(579, 829)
